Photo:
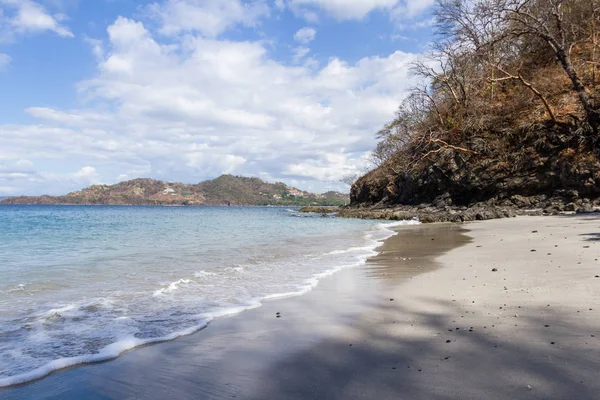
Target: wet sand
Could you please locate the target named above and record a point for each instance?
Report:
(426, 319)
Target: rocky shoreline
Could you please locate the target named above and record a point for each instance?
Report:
(442, 211)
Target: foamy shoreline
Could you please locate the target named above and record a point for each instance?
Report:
(460, 329)
(373, 239)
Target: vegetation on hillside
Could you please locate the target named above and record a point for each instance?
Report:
(507, 105)
(225, 190)
(239, 190)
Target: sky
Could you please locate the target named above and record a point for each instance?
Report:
(101, 91)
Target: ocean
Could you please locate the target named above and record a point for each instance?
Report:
(82, 284)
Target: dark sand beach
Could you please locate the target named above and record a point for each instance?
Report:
(502, 309)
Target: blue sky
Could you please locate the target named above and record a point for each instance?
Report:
(99, 91)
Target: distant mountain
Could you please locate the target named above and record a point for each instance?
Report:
(224, 190)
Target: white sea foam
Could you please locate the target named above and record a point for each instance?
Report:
(240, 288)
(350, 250)
(107, 353)
(173, 286)
(204, 274)
(19, 288)
(58, 311)
(375, 238)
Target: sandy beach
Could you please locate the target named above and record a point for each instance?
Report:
(501, 309)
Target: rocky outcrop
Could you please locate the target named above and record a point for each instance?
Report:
(537, 170)
(427, 214)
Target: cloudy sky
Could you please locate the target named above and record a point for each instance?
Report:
(100, 91)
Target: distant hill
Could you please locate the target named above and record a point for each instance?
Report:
(222, 191)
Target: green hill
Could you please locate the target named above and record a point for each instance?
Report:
(223, 191)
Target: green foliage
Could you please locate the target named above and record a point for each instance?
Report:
(224, 190)
(238, 190)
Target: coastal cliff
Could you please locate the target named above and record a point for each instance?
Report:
(226, 190)
(507, 121)
(523, 175)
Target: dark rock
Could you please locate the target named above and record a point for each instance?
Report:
(494, 269)
(324, 211)
(571, 207)
(521, 201)
(585, 209)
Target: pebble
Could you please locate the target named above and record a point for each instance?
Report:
(494, 269)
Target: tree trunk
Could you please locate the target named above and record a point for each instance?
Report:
(584, 97)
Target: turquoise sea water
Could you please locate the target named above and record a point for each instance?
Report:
(82, 284)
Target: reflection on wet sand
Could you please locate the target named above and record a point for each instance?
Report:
(414, 251)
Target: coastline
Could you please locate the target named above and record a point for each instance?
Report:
(347, 339)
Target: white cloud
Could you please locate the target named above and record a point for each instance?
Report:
(86, 176)
(28, 17)
(412, 8)
(299, 53)
(344, 9)
(359, 9)
(305, 35)
(198, 107)
(5, 60)
(21, 166)
(210, 18)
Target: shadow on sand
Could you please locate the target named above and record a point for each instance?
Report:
(380, 349)
(474, 365)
